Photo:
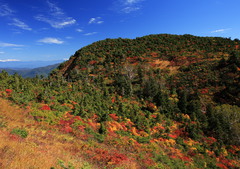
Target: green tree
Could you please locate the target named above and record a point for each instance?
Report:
(224, 123)
(182, 104)
(230, 117)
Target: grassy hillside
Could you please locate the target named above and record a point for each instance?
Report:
(27, 144)
(160, 101)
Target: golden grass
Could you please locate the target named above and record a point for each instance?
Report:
(23, 154)
(164, 64)
(41, 149)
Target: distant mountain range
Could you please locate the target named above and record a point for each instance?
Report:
(28, 64)
(29, 68)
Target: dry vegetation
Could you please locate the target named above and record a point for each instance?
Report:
(43, 147)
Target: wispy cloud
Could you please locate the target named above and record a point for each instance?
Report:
(130, 9)
(97, 20)
(2, 53)
(130, 2)
(220, 30)
(55, 17)
(5, 10)
(91, 33)
(9, 60)
(128, 6)
(79, 30)
(10, 45)
(51, 41)
(16, 22)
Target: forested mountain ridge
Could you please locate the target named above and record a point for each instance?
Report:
(188, 60)
(159, 101)
(180, 49)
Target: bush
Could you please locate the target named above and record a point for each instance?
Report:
(20, 132)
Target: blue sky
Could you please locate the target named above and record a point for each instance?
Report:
(55, 29)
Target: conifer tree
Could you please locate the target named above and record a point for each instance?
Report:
(182, 103)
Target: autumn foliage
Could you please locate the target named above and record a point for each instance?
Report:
(159, 101)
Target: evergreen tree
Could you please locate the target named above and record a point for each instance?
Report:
(182, 103)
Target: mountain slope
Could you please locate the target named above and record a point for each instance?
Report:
(160, 101)
(175, 55)
(42, 148)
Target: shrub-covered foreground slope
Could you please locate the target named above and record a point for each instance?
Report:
(160, 101)
(24, 143)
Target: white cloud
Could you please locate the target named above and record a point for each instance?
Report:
(51, 41)
(92, 20)
(5, 10)
(56, 23)
(2, 53)
(91, 33)
(69, 21)
(96, 20)
(79, 30)
(9, 60)
(128, 6)
(55, 9)
(220, 30)
(20, 24)
(130, 9)
(10, 45)
(55, 17)
(127, 2)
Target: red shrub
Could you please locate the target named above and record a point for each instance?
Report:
(66, 122)
(78, 118)
(226, 162)
(116, 158)
(9, 91)
(148, 162)
(15, 137)
(113, 100)
(173, 156)
(84, 68)
(67, 129)
(93, 125)
(92, 62)
(45, 107)
(81, 128)
(204, 91)
(185, 158)
(151, 106)
(114, 116)
(154, 116)
(173, 136)
(210, 140)
(222, 166)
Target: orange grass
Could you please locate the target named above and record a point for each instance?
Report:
(39, 150)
